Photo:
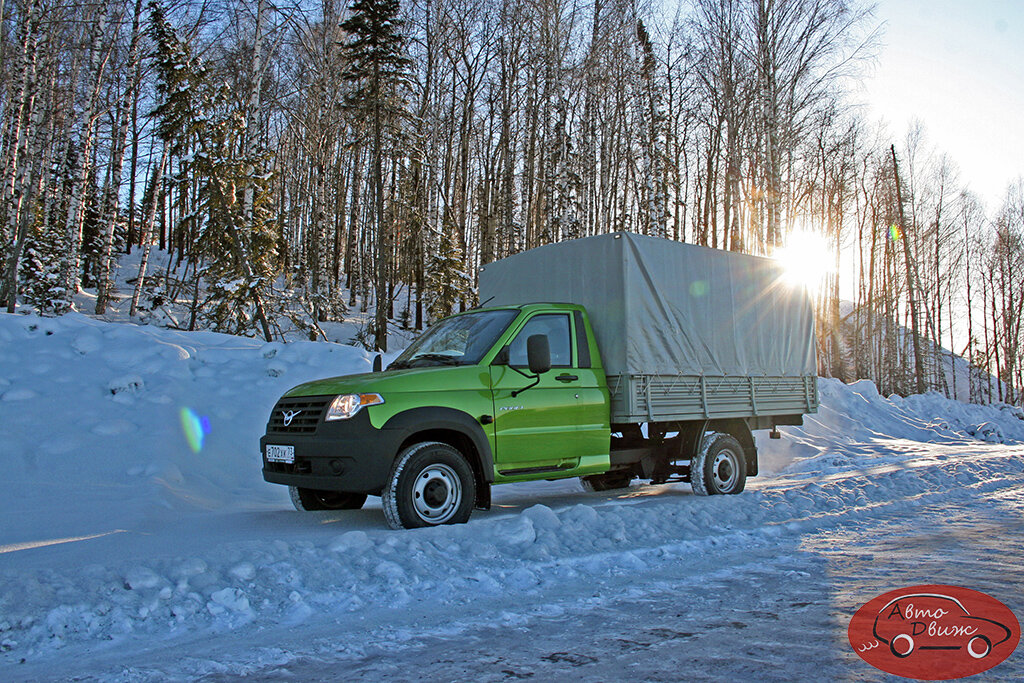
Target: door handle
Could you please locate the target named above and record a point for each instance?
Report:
(567, 378)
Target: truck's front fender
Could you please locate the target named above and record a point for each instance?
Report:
(434, 419)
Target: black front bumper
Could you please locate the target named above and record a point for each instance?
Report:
(350, 456)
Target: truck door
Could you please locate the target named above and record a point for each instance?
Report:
(536, 431)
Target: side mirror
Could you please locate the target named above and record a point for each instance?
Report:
(538, 353)
(378, 363)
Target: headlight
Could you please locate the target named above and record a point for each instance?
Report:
(345, 406)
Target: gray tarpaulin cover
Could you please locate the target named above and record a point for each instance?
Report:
(660, 307)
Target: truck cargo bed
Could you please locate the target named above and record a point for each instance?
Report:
(669, 398)
(685, 332)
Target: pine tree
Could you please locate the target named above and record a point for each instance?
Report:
(239, 249)
(446, 281)
(236, 241)
(377, 71)
(42, 286)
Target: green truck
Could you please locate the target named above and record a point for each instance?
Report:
(608, 358)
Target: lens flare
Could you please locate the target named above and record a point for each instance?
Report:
(895, 233)
(196, 427)
(807, 259)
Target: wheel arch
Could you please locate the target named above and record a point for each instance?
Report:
(455, 428)
(739, 430)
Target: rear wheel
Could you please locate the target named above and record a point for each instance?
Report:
(719, 467)
(430, 484)
(311, 499)
(608, 481)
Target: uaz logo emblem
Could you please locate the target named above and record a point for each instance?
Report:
(289, 415)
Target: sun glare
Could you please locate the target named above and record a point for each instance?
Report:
(806, 259)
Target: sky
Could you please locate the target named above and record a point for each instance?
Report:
(958, 67)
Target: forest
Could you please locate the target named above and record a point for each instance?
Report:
(306, 160)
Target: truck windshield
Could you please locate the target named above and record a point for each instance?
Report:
(459, 340)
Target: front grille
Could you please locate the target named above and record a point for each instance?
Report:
(305, 415)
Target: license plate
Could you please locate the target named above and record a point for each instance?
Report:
(280, 453)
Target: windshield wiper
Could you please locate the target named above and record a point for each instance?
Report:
(442, 358)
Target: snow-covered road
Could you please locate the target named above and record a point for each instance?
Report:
(689, 588)
(127, 555)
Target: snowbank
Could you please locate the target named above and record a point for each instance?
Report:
(149, 416)
(858, 414)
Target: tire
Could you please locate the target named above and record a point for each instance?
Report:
(608, 481)
(720, 467)
(311, 499)
(430, 484)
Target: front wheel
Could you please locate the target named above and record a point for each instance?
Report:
(430, 484)
(311, 499)
(719, 467)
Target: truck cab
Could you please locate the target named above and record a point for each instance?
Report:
(488, 396)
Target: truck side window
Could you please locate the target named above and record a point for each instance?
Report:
(556, 327)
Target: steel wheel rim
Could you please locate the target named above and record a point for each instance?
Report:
(437, 493)
(725, 470)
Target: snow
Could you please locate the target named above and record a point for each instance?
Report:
(163, 281)
(138, 540)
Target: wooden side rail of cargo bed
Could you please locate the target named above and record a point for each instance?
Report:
(668, 398)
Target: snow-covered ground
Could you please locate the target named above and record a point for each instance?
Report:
(138, 540)
(166, 301)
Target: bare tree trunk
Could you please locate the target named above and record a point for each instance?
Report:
(996, 337)
(352, 261)
(147, 229)
(383, 232)
(105, 285)
(251, 127)
(25, 120)
(908, 261)
(83, 167)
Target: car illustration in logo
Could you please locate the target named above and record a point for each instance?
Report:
(919, 622)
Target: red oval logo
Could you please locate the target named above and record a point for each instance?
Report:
(934, 632)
